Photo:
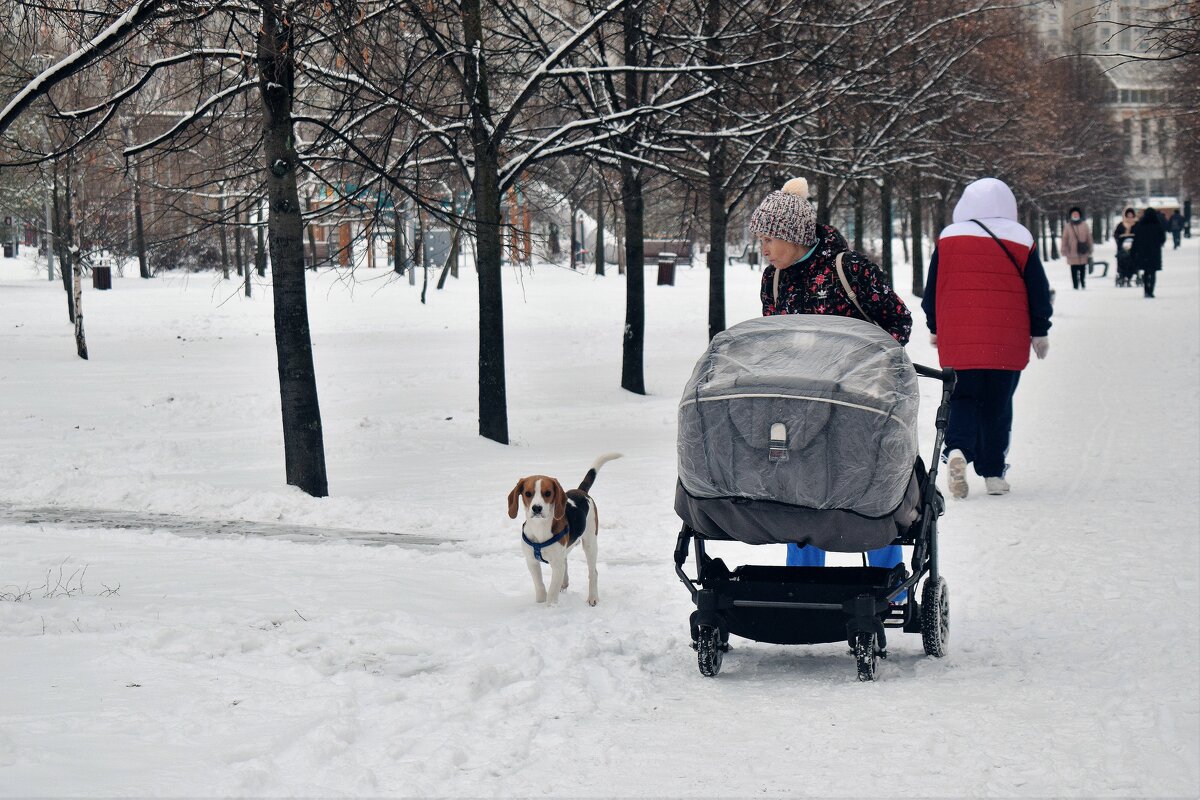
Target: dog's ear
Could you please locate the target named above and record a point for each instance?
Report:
(560, 500)
(513, 497)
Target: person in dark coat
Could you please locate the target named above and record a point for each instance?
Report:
(1148, 240)
(987, 302)
(1175, 226)
(803, 279)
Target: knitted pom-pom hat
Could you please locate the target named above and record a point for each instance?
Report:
(787, 214)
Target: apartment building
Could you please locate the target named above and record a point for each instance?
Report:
(1114, 38)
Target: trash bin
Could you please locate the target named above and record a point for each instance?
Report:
(8, 250)
(101, 277)
(666, 269)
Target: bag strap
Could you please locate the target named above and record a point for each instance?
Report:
(841, 273)
(775, 287)
(1003, 247)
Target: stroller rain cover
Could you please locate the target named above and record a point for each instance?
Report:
(800, 428)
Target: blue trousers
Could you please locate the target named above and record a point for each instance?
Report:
(981, 412)
(809, 556)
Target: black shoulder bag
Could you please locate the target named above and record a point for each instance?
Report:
(1011, 257)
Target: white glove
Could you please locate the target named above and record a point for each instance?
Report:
(1041, 345)
(933, 340)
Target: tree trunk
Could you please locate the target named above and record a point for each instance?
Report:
(599, 228)
(885, 227)
(939, 209)
(574, 236)
(718, 223)
(224, 236)
(239, 259)
(76, 274)
(260, 255)
(917, 212)
(493, 402)
(1053, 237)
(823, 215)
(312, 236)
(303, 442)
(398, 244)
(859, 196)
(139, 231)
(450, 259)
(633, 344)
(248, 283)
(60, 243)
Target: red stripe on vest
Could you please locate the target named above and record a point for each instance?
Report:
(982, 304)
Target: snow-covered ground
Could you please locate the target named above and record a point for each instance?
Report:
(179, 666)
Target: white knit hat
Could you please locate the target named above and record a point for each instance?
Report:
(787, 214)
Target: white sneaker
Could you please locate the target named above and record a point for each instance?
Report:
(956, 474)
(997, 485)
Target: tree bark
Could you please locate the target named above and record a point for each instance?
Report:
(238, 239)
(303, 442)
(76, 278)
(633, 343)
(859, 216)
(823, 209)
(224, 236)
(885, 227)
(917, 213)
(139, 231)
(260, 255)
(312, 236)
(493, 402)
(718, 224)
(600, 227)
(60, 244)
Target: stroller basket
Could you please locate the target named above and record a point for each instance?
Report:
(796, 605)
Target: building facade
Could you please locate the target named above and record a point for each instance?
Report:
(1114, 38)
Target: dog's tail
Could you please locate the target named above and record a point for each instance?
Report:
(590, 477)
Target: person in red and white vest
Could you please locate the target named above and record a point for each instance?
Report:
(987, 301)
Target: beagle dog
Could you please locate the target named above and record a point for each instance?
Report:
(555, 521)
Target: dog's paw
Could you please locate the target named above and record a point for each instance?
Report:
(541, 599)
(593, 600)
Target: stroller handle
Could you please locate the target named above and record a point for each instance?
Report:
(944, 375)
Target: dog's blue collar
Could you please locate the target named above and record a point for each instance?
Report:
(537, 546)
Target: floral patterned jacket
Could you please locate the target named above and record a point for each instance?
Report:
(811, 286)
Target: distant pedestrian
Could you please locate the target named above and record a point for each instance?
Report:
(1077, 247)
(986, 302)
(1175, 226)
(1123, 236)
(1148, 240)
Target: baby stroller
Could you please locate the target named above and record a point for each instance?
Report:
(1127, 271)
(802, 429)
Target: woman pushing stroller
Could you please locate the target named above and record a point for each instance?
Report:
(813, 271)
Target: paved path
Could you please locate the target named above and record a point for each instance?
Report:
(205, 528)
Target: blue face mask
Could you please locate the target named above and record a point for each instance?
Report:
(806, 255)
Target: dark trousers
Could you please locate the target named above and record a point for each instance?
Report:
(981, 418)
(1175, 237)
(1079, 276)
(1149, 278)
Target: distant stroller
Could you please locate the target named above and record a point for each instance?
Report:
(803, 429)
(1127, 271)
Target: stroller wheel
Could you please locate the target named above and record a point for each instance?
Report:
(935, 617)
(866, 653)
(710, 649)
